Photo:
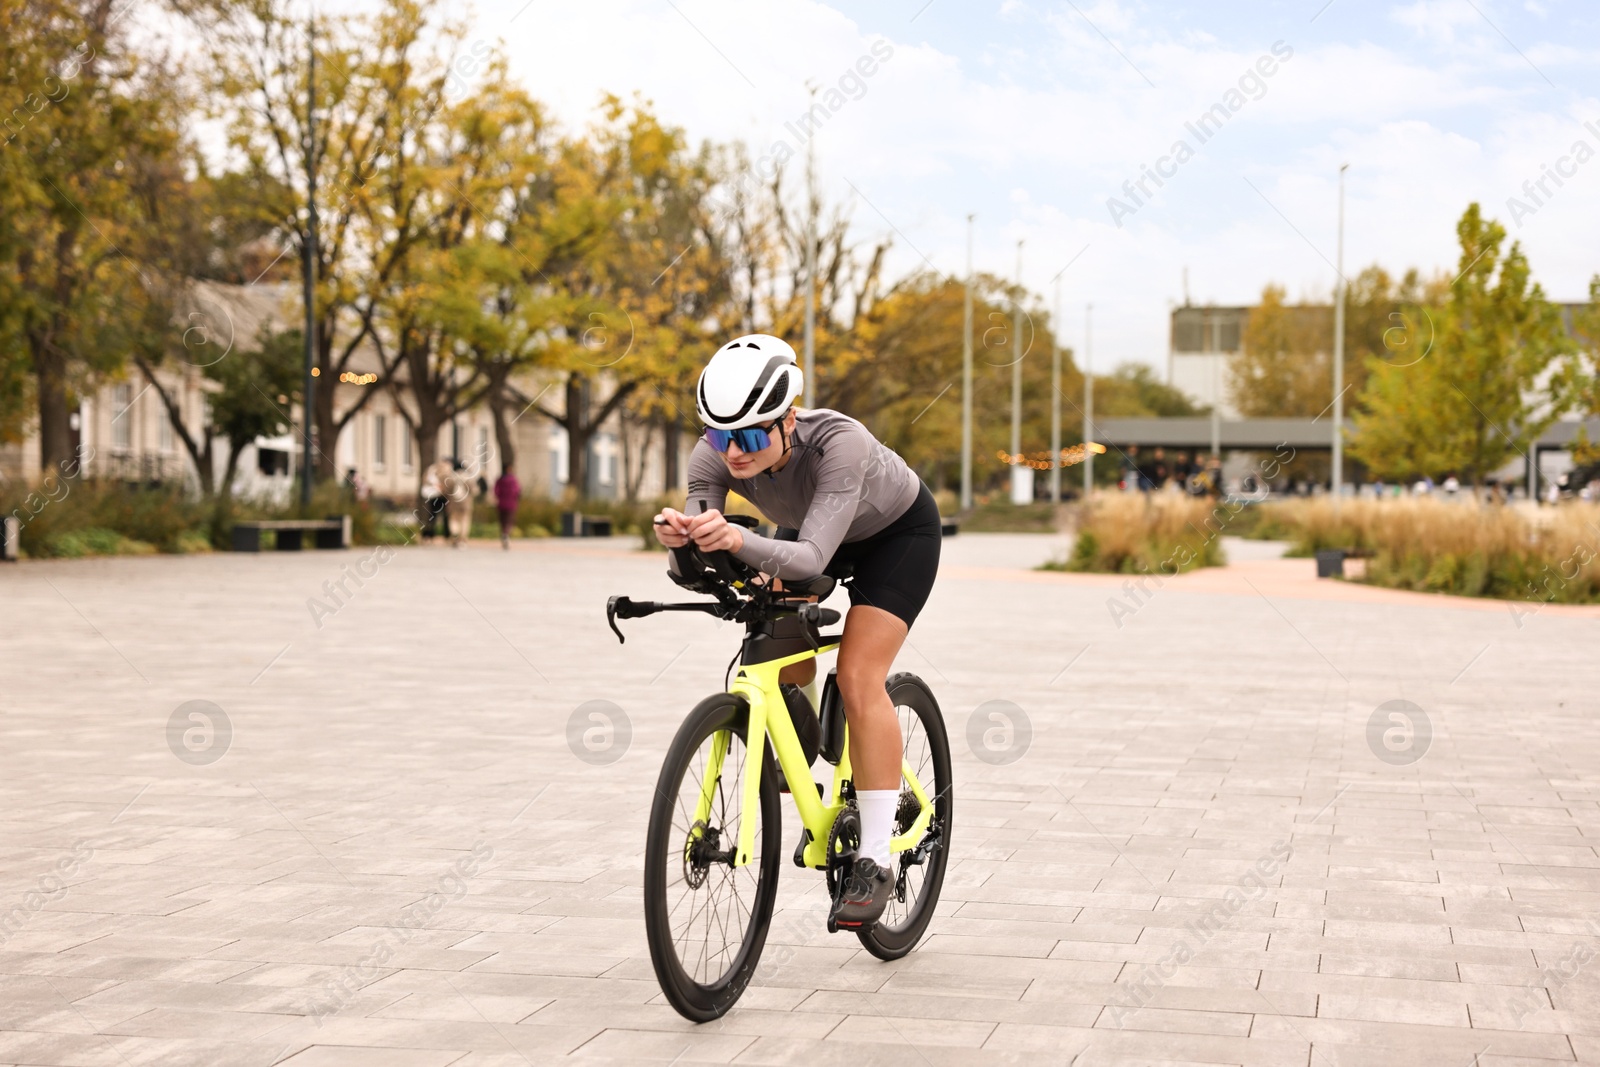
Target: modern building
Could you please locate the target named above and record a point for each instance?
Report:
(1201, 342)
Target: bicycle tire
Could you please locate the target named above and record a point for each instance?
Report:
(667, 866)
(891, 937)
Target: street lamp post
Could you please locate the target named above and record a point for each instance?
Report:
(1019, 473)
(1088, 404)
(966, 383)
(309, 270)
(811, 256)
(1338, 357)
(1055, 400)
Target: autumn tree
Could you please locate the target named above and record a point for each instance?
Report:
(1282, 367)
(381, 80)
(1479, 396)
(93, 113)
(1583, 377)
(643, 305)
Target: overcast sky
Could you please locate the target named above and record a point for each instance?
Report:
(1033, 115)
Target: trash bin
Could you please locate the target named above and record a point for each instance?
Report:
(1330, 563)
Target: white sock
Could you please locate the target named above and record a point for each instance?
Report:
(877, 822)
(813, 694)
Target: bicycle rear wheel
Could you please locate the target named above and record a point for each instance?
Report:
(705, 919)
(919, 874)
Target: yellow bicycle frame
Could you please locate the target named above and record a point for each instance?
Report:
(757, 683)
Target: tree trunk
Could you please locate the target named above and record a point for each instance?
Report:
(225, 490)
(200, 457)
(669, 447)
(581, 427)
(578, 430)
(499, 399)
(55, 421)
(633, 474)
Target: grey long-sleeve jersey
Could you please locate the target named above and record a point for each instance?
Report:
(840, 484)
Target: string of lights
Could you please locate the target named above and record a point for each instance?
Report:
(1040, 461)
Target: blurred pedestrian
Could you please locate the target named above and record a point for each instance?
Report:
(458, 508)
(433, 497)
(507, 494)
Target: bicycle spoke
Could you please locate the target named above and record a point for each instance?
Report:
(708, 934)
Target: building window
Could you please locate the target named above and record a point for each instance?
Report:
(605, 454)
(558, 455)
(168, 439)
(121, 417)
(483, 447)
(407, 463)
(379, 453)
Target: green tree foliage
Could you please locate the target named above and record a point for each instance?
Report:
(1583, 378)
(1478, 397)
(253, 388)
(94, 119)
(1283, 365)
(1285, 368)
(1132, 391)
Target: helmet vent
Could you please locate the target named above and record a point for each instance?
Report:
(775, 395)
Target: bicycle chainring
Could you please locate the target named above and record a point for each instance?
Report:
(844, 839)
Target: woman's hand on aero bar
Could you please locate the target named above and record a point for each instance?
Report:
(712, 532)
(672, 528)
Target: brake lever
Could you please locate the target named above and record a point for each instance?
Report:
(611, 617)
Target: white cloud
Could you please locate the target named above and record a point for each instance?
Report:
(1031, 119)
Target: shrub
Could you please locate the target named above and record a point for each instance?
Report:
(1459, 547)
(1139, 533)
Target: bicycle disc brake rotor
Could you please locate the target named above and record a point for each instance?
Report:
(701, 841)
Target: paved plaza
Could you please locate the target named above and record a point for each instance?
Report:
(1239, 818)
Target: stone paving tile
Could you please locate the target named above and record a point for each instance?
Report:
(1417, 914)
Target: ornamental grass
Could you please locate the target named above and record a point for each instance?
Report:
(1148, 533)
(1460, 547)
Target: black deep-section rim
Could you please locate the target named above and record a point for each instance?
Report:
(734, 904)
(926, 747)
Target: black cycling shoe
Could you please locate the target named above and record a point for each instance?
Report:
(864, 895)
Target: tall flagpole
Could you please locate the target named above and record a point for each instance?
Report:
(966, 383)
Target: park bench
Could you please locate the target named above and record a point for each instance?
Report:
(332, 532)
(577, 524)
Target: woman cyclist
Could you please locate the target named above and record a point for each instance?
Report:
(844, 498)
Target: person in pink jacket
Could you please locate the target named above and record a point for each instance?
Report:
(507, 493)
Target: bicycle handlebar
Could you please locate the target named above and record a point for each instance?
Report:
(621, 607)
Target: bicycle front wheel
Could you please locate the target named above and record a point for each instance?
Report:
(919, 874)
(706, 920)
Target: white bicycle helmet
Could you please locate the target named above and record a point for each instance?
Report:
(750, 380)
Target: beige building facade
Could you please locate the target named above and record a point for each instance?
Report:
(123, 430)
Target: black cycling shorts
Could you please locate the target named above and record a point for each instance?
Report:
(893, 569)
